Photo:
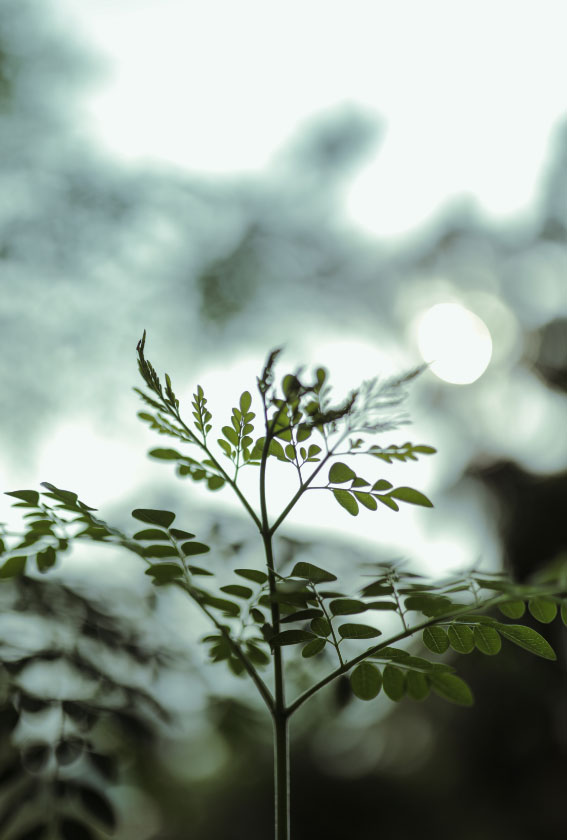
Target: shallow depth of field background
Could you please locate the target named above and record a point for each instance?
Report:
(371, 186)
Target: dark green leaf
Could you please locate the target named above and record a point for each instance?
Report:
(29, 496)
(72, 829)
(381, 484)
(358, 631)
(388, 502)
(542, 610)
(377, 588)
(308, 571)
(528, 639)
(302, 615)
(366, 681)
(435, 638)
(408, 494)
(252, 574)
(160, 551)
(151, 534)
(215, 482)
(165, 454)
(13, 567)
(512, 609)
(190, 549)
(164, 518)
(346, 500)
(164, 572)
(452, 688)
(564, 614)
(417, 685)
(46, 559)
(394, 682)
(321, 626)
(37, 832)
(339, 473)
(228, 607)
(347, 606)
(97, 806)
(461, 638)
(237, 590)
(180, 535)
(313, 648)
(292, 637)
(487, 639)
(382, 605)
(197, 570)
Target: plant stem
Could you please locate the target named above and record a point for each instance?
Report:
(281, 775)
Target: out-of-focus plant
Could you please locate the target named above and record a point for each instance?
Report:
(264, 612)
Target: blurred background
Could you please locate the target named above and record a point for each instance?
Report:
(369, 186)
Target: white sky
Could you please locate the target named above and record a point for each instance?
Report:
(469, 90)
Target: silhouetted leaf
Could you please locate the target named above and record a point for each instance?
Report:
(313, 648)
(160, 551)
(292, 637)
(165, 454)
(191, 549)
(308, 571)
(151, 534)
(339, 473)
(13, 566)
(321, 626)
(154, 517)
(302, 615)
(358, 631)
(347, 606)
(252, 574)
(46, 559)
(408, 494)
(237, 590)
(164, 572)
(29, 496)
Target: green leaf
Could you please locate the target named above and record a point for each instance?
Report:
(528, 639)
(542, 610)
(190, 549)
(408, 494)
(366, 681)
(13, 567)
(164, 572)
(46, 559)
(313, 648)
(321, 626)
(512, 609)
(228, 607)
(452, 688)
(366, 499)
(417, 685)
(394, 682)
(382, 605)
(377, 588)
(160, 551)
(435, 638)
(381, 484)
(29, 496)
(302, 615)
(339, 473)
(358, 631)
(312, 573)
(237, 590)
(154, 517)
(430, 605)
(180, 535)
(151, 534)
(388, 502)
(487, 639)
(215, 482)
(230, 435)
(245, 401)
(564, 614)
(347, 606)
(197, 570)
(346, 500)
(292, 637)
(252, 574)
(461, 638)
(165, 454)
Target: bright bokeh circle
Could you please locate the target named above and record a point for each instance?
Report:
(455, 342)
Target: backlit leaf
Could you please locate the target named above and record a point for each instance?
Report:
(408, 494)
(346, 500)
(164, 572)
(292, 637)
(542, 610)
(366, 681)
(308, 571)
(29, 496)
(237, 590)
(313, 648)
(452, 688)
(339, 473)
(461, 638)
(151, 534)
(417, 685)
(160, 551)
(528, 639)
(347, 606)
(435, 638)
(165, 454)
(252, 574)
(321, 626)
(512, 609)
(487, 639)
(190, 549)
(394, 682)
(366, 499)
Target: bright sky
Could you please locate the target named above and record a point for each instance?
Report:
(469, 91)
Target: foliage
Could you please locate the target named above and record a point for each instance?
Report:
(262, 612)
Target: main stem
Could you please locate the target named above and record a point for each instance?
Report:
(281, 775)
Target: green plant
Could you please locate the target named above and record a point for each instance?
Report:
(265, 612)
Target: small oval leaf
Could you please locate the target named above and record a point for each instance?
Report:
(154, 517)
(366, 681)
(339, 473)
(358, 631)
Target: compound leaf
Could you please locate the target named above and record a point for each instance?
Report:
(366, 681)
